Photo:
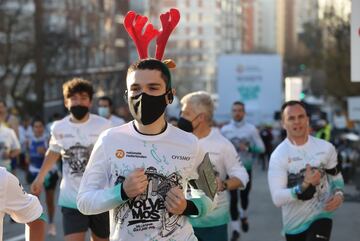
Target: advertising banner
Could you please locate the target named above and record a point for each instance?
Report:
(255, 80)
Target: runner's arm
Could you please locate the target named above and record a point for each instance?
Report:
(238, 177)
(197, 197)
(35, 230)
(333, 171)
(277, 179)
(24, 208)
(257, 145)
(15, 145)
(94, 194)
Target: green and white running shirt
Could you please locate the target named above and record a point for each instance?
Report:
(242, 132)
(74, 141)
(170, 159)
(226, 162)
(291, 159)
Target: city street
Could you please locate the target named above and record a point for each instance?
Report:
(259, 70)
(264, 218)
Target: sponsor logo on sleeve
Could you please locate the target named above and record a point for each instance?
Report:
(119, 153)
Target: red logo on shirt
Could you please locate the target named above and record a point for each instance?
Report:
(119, 153)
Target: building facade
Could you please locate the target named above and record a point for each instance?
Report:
(81, 38)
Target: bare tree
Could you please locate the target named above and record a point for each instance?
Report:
(326, 54)
(26, 48)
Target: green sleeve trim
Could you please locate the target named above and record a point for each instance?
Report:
(293, 193)
(43, 217)
(117, 192)
(255, 149)
(304, 226)
(337, 184)
(203, 205)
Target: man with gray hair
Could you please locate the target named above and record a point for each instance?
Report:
(196, 117)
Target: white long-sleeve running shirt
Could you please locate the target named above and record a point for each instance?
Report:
(289, 159)
(226, 162)
(245, 133)
(170, 159)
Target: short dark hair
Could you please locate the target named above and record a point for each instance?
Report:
(292, 103)
(108, 99)
(239, 103)
(37, 119)
(77, 85)
(153, 64)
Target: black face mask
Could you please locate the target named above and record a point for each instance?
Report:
(185, 125)
(147, 108)
(79, 111)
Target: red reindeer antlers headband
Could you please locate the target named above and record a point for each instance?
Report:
(134, 24)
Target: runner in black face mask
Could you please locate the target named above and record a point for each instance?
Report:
(72, 139)
(150, 163)
(231, 175)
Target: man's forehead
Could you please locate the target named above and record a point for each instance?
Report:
(82, 94)
(145, 76)
(294, 110)
(186, 107)
(238, 107)
(104, 102)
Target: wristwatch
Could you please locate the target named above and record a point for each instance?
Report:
(298, 189)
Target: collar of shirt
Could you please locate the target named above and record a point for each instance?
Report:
(238, 123)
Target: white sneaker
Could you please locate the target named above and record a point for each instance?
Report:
(52, 229)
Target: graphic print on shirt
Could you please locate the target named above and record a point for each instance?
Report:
(322, 193)
(147, 211)
(76, 157)
(236, 141)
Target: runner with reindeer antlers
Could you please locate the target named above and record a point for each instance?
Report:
(140, 171)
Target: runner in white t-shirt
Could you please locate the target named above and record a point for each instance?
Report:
(22, 207)
(105, 108)
(9, 146)
(140, 171)
(72, 139)
(247, 141)
(304, 178)
(196, 117)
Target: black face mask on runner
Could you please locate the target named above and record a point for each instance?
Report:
(79, 111)
(185, 125)
(147, 108)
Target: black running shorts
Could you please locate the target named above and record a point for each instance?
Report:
(76, 222)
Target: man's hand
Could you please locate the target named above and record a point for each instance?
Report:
(243, 147)
(312, 176)
(175, 201)
(334, 202)
(36, 186)
(220, 186)
(136, 183)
